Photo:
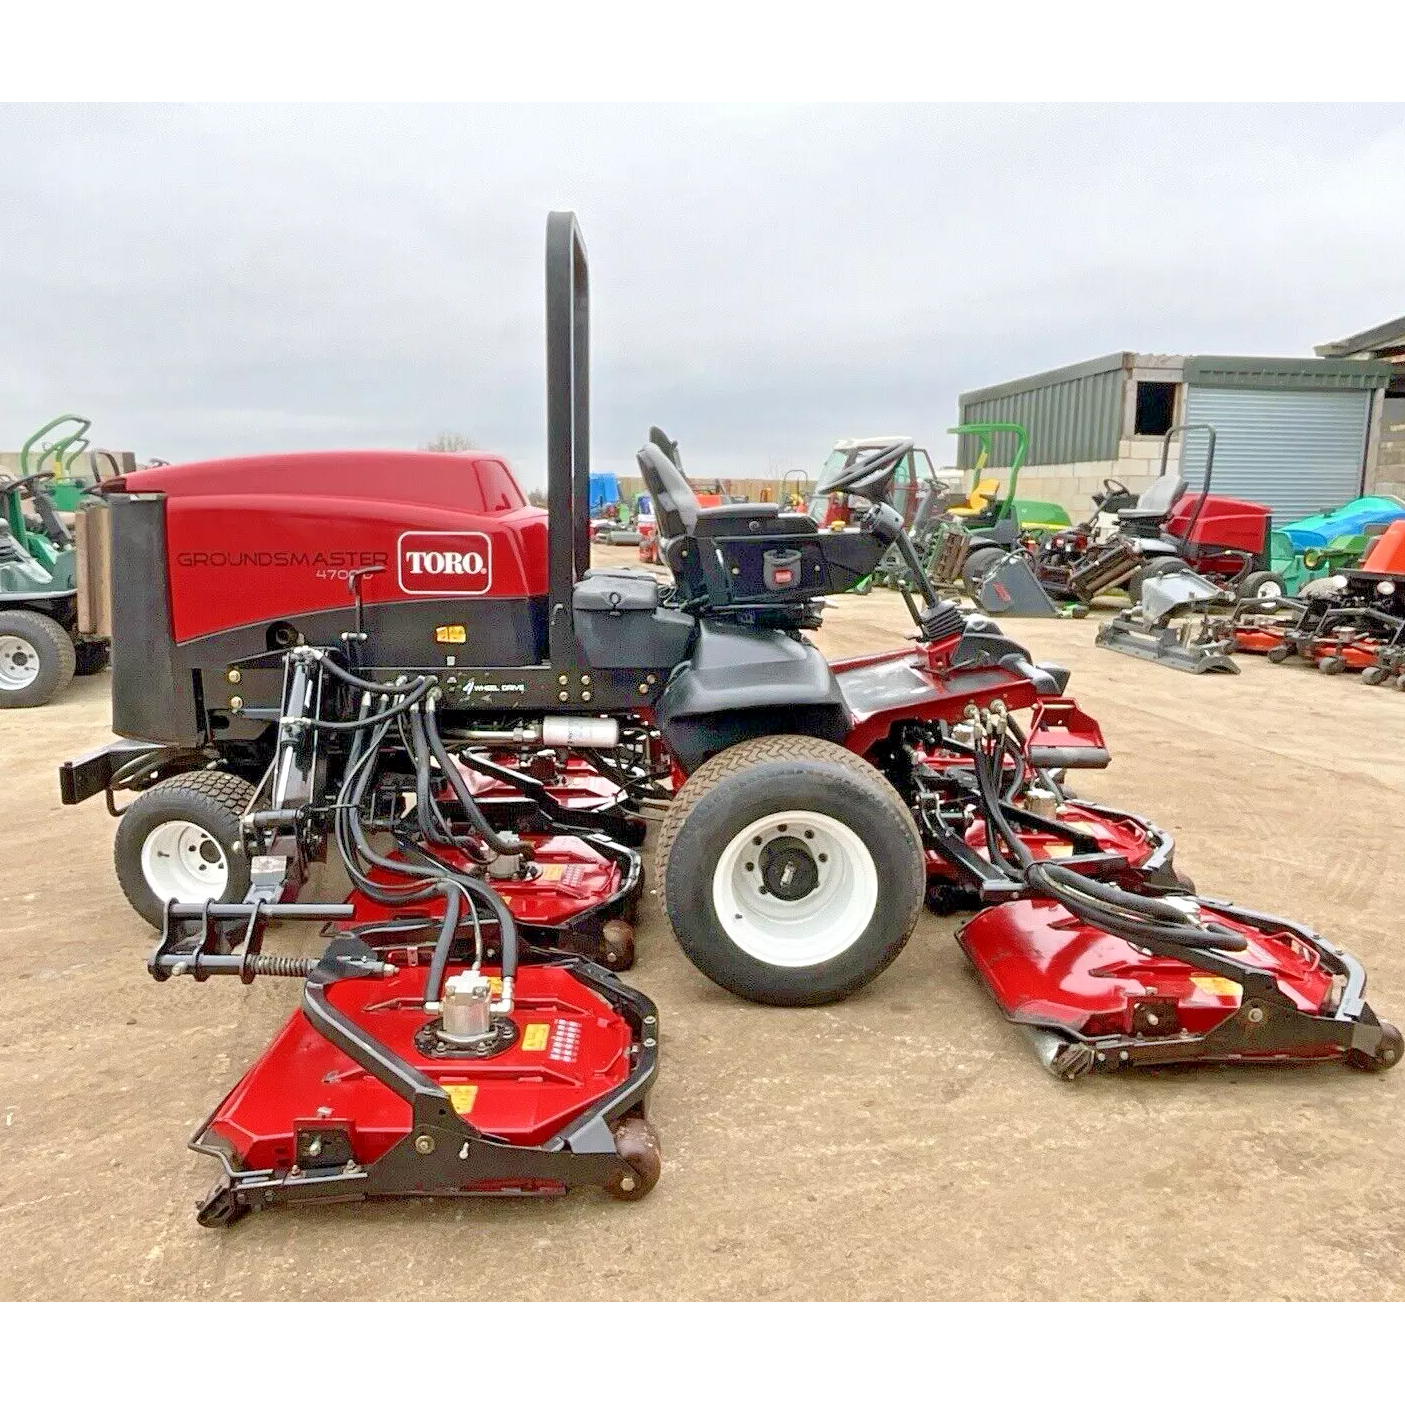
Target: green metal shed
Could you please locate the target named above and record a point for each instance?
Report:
(1293, 433)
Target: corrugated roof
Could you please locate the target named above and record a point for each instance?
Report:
(1387, 335)
(1078, 371)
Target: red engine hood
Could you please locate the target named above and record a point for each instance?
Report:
(277, 536)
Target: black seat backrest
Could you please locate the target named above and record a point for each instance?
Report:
(675, 504)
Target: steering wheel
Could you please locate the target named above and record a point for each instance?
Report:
(1116, 485)
(16, 485)
(868, 469)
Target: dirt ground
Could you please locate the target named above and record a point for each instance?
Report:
(904, 1144)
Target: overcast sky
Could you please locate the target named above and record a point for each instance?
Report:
(209, 281)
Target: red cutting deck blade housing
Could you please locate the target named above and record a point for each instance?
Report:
(570, 1049)
(1046, 967)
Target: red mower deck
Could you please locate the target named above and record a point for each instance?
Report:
(1095, 1002)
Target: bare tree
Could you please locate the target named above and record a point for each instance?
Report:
(449, 442)
(537, 497)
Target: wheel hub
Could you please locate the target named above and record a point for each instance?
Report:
(19, 664)
(788, 869)
(184, 861)
(796, 888)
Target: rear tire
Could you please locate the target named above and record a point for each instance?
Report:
(36, 658)
(791, 871)
(977, 566)
(91, 656)
(181, 840)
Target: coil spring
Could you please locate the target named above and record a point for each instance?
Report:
(282, 965)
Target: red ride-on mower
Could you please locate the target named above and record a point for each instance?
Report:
(1223, 539)
(392, 657)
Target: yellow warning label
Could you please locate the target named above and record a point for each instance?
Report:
(553, 872)
(494, 985)
(1058, 851)
(462, 1095)
(534, 1037)
(1215, 985)
(450, 634)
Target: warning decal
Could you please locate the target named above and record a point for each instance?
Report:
(566, 1042)
(462, 1095)
(1216, 985)
(534, 1038)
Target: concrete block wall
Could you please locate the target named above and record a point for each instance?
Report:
(1072, 485)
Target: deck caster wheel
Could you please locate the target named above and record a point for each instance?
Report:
(1387, 1053)
(638, 1143)
(1400, 682)
(1278, 653)
(1331, 664)
(220, 1208)
(1373, 675)
(617, 945)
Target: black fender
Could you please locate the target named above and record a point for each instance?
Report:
(741, 683)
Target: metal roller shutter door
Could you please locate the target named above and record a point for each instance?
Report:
(1298, 451)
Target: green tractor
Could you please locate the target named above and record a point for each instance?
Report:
(42, 641)
(992, 522)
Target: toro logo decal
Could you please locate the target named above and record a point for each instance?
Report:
(445, 563)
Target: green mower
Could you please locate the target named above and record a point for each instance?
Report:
(991, 523)
(43, 643)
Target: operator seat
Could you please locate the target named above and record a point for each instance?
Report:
(745, 554)
(1154, 504)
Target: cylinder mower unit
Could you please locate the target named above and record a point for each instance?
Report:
(389, 657)
(1173, 623)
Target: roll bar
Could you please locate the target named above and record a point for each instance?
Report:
(987, 430)
(567, 427)
(1209, 465)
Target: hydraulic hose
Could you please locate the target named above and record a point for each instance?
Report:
(460, 891)
(1132, 916)
(366, 685)
(495, 841)
(408, 700)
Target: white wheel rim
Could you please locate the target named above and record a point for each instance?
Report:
(806, 930)
(1268, 590)
(184, 861)
(19, 663)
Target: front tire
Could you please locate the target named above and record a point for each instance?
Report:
(1262, 585)
(180, 840)
(36, 658)
(791, 871)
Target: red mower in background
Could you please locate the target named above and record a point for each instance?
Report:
(391, 657)
(1225, 540)
(1353, 621)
